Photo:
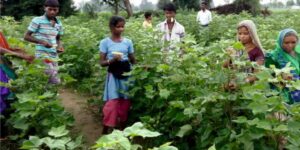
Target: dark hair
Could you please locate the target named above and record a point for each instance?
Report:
(114, 20)
(51, 3)
(204, 3)
(147, 14)
(170, 7)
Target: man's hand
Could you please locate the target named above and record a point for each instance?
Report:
(60, 49)
(46, 44)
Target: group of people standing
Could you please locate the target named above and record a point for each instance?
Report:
(173, 29)
(117, 54)
(117, 105)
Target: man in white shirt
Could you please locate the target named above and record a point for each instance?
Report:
(174, 31)
(204, 16)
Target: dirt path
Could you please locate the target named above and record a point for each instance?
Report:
(86, 122)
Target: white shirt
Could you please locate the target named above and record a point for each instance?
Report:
(204, 17)
(177, 33)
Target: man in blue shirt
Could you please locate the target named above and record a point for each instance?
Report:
(45, 31)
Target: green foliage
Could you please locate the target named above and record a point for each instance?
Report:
(190, 91)
(37, 107)
(57, 139)
(183, 98)
(188, 4)
(122, 140)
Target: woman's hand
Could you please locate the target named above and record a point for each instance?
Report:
(28, 58)
(287, 76)
(251, 79)
(227, 64)
(117, 57)
(231, 86)
(19, 50)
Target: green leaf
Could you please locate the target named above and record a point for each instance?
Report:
(166, 146)
(241, 119)
(48, 141)
(296, 84)
(58, 132)
(150, 93)
(177, 104)
(164, 93)
(184, 130)
(294, 126)
(212, 147)
(35, 140)
(281, 128)
(238, 46)
(136, 147)
(114, 140)
(253, 122)
(75, 144)
(21, 124)
(263, 75)
(33, 143)
(60, 143)
(258, 107)
(163, 68)
(264, 125)
(46, 95)
(138, 129)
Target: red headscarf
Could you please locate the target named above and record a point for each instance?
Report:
(3, 42)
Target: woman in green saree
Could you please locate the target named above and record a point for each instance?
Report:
(287, 51)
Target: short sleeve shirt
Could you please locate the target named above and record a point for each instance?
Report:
(108, 46)
(43, 30)
(204, 17)
(256, 54)
(175, 35)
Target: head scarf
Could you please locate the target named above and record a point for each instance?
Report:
(281, 56)
(249, 24)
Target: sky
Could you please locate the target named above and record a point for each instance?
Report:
(137, 2)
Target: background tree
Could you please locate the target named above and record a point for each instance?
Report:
(128, 8)
(187, 4)
(123, 4)
(146, 5)
(161, 3)
(91, 8)
(20, 8)
(254, 4)
(1, 6)
(290, 3)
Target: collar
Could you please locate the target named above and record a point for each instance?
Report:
(175, 22)
(55, 18)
